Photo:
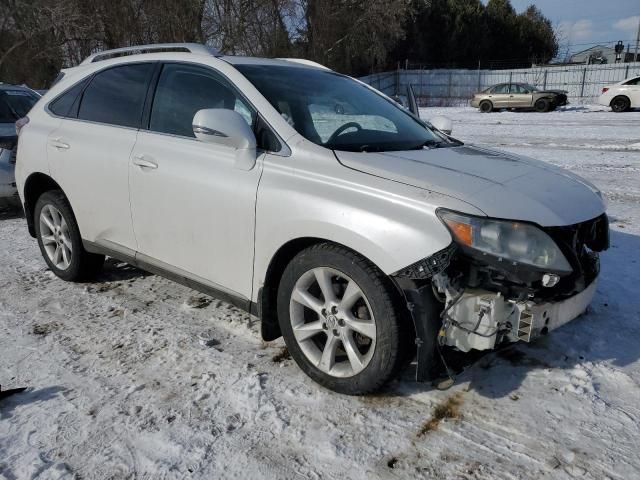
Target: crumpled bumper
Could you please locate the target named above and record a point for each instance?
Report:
(480, 319)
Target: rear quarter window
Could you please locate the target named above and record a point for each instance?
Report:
(66, 105)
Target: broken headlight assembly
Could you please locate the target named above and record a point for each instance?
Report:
(514, 243)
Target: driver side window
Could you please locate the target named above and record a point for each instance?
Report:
(183, 90)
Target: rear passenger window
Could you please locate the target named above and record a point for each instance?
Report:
(183, 90)
(116, 96)
(500, 89)
(66, 105)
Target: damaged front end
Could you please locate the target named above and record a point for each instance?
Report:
(501, 281)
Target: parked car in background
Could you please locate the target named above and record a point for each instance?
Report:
(361, 234)
(623, 96)
(518, 96)
(15, 103)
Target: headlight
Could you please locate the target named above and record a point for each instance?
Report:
(511, 241)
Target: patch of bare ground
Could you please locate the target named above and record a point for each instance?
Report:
(449, 408)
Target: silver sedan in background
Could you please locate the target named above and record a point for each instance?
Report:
(519, 96)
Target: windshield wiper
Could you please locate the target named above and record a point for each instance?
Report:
(431, 144)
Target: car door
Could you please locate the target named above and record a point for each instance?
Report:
(499, 96)
(520, 96)
(89, 151)
(193, 208)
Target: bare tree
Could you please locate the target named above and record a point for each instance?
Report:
(353, 35)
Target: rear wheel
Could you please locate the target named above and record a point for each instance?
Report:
(59, 239)
(337, 316)
(486, 106)
(620, 104)
(542, 105)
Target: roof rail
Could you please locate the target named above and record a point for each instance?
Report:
(304, 61)
(197, 48)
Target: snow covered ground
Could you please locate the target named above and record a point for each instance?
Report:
(120, 386)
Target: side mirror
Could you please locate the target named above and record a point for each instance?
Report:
(444, 124)
(227, 127)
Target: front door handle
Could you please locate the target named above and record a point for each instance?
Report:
(58, 143)
(142, 161)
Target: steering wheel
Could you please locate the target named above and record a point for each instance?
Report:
(341, 130)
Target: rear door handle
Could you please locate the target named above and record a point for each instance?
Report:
(144, 162)
(58, 143)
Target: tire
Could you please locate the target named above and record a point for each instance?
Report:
(59, 239)
(323, 344)
(542, 105)
(486, 106)
(620, 104)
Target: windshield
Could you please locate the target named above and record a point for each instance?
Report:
(336, 112)
(15, 104)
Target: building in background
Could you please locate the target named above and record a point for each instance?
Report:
(600, 54)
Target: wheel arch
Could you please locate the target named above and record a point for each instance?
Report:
(35, 185)
(267, 296)
(484, 102)
(620, 95)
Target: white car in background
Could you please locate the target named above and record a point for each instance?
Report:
(623, 96)
(361, 234)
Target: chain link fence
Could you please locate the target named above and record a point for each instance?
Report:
(455, 87)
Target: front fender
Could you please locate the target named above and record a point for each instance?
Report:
(391, 224)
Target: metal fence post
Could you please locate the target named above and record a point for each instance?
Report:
(584, 76)
(544, 82)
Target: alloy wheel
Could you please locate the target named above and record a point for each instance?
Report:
(332, 322)
(55, 236)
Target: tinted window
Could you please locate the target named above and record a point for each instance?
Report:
(500, 89)
(635, 81)
(265, 138)
(15, 104)
(116, 96)
(66, 105)
(183, 90)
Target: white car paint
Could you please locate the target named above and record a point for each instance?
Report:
(193, 207)
(630, 88)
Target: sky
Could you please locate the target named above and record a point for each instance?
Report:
(585, 22)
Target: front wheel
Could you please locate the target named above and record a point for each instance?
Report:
(337, 317)
(542, 105)
(59, 239)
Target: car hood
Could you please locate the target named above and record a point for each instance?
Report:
(500, 184)
(557, 92)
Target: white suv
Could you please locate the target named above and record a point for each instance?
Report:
(362, 235)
